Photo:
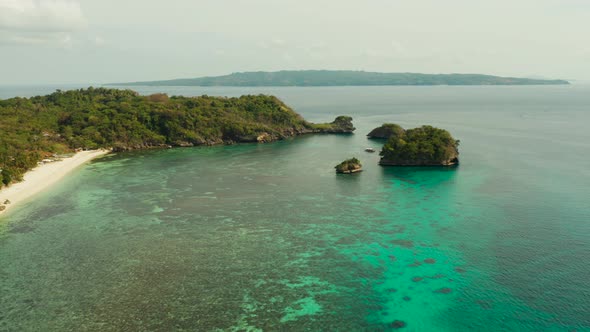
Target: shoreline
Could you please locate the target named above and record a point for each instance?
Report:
(43, 177)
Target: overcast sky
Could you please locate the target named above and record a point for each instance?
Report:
(100, 41)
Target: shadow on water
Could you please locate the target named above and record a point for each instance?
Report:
(420, 175)
(349, 184)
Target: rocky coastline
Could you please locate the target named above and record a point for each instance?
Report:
(340, 125)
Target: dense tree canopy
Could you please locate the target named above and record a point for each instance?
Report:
(32, 128)
(386, 131)
(425, 145)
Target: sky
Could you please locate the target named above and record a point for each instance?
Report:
(105, 41)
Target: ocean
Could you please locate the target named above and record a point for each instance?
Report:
(267, 237)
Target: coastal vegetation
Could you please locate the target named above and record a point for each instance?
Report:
(32, 129)
(352, 165)
(344, 78)
(422, 146)
(341, 125)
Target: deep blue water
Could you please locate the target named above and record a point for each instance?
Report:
(267, 237)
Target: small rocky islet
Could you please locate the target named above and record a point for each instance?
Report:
(349, 166)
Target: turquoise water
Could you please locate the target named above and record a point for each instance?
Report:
(267, 237)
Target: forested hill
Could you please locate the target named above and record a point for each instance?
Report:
(344, 78)
(37, 127)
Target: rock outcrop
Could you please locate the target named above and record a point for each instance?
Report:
(349, 166)
(340, 125)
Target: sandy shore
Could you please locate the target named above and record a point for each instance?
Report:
(43, 176)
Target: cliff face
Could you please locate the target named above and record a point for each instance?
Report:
(423, 146)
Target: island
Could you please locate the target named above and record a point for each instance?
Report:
(422, 146)
(386, 131)
(349, 166)
(343, 78)
(45, 127)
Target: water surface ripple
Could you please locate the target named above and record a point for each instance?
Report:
(267, 237)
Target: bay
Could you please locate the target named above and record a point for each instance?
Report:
(250, 237)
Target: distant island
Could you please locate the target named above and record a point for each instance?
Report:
(32, 129)
(422, 146)
(343, 78)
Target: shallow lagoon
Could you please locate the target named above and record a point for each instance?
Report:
(267, 237)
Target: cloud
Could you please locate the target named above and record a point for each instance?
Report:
(36, 38)
(40, 21)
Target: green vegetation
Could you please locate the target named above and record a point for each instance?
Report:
(386, 131)
(34, 128)
(345, 78)
(342, 124)
(423, 146)
(351, 165)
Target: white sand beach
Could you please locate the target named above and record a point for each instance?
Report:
(43, 176)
